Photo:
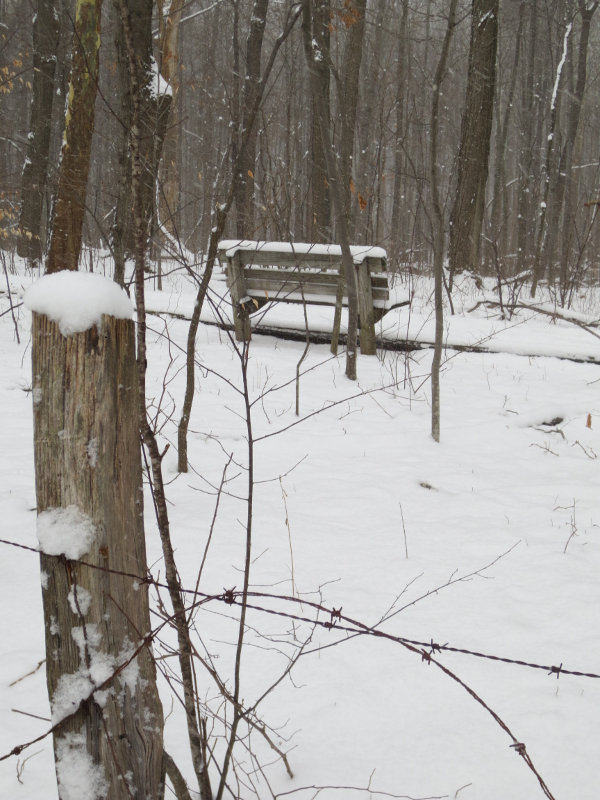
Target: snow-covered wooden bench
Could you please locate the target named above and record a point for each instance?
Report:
(261, 272)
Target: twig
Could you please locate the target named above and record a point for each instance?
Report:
(12, 308)
(403, 528)
(33, 671)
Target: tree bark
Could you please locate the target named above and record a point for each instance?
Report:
(335, 183)
(319, 222)
(348, 101)
(438, 226)
(500, 154)
(46, 35)
(244, 195)
(87, 454)
(526, 154)
(69, 211)
(169, 69)
(466, 217)
(538, 265)
(196, 732)
(154, 119)
(368, 167)
(564, 176)
(179, 785)
(396, 236)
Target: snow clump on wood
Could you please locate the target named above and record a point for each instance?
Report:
(75, 687)
(78, 777)
(65, 532)
(77, 300)
(83, 600)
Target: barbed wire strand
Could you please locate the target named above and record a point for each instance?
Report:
(229, 597)
(359, 629)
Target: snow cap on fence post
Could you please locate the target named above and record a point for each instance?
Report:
(76, 301)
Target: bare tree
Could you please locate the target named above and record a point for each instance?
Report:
(244, 178)
(319, 222)
(217, 230)
(538, 266)
(438, 225)
(466, 217)
(313, 55)
(67, 224)
(46, 33)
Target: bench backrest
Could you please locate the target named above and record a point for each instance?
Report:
(310, 273)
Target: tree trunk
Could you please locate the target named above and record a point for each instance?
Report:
(69, 211)
(87, 455)
(438, 226)
(369, 163)
(526, 154)
(566, 159)
(500, 154)
(538, 266)
(313, 54)
(396, 236)
(154, 120)
(244, 195)
(46, 34)
(319, 222)
(169, 69)
(196, 731)
(122, 206)
(348, 101)
(466, 217)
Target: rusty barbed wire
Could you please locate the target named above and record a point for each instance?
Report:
(336, 617)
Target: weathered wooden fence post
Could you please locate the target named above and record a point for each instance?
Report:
(90, 507)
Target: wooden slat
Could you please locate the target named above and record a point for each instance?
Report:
(281, 276)
(302, 260)
(278, 290)
(261, 258)
(307, 278)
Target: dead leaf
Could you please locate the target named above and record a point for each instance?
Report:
(589, 421)
(251, 173)
(362, 202)
(352, 186)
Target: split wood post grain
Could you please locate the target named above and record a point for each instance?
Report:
(368, 342)
(237, 288)
(87, 454)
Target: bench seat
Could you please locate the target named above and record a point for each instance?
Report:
(262, 272)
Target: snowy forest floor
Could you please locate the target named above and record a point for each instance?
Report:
(489, 541)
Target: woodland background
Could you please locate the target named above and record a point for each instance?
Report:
(393, 46)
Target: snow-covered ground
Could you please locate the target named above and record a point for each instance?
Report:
(363, 484)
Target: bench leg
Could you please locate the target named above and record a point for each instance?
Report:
(368, 341)
(237, 290)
